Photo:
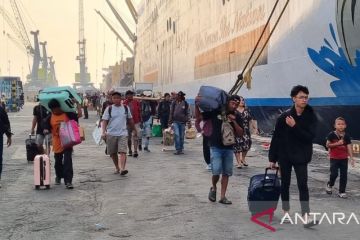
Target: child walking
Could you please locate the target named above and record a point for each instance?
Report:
(340, 148)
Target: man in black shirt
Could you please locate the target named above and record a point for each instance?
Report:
(40, 113)
(221, 155)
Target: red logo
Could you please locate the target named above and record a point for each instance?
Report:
(269, 212)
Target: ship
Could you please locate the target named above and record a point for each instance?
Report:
(184, 44)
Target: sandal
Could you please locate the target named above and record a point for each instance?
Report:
(116, 171)
(212, 195)
(122, 173)
(225, 201)
(245, 164)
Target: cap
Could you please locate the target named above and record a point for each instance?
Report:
(181, 93)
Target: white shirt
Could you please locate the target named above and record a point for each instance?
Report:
(117, 123)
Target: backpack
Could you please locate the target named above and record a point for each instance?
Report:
(227, 132)
(126, 111)
(145, 110)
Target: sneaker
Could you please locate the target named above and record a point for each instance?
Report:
(57, 181)
(146, 149)
(69, 186)
(135, 155)
(208, 167)
(342, 195)
(130, 153)
(177, 153)
(328, 189)
(140, 148)
(310, 222)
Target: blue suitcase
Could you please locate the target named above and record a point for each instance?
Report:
(212, 98)
(264, 192)
(63, 95)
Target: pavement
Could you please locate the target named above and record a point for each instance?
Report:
(163, 197)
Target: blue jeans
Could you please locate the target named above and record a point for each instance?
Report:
(179, 132)
(1, 152)
(221, 161)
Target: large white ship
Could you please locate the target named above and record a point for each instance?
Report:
(183, 44)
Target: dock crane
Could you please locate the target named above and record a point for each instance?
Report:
(122, 22)
(116, 33)
(132, 10)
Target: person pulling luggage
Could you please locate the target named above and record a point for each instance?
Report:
(4, 129)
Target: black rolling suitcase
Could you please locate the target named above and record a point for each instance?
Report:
(31, 148)
(264, 192)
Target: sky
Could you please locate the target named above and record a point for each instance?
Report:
(57, 21)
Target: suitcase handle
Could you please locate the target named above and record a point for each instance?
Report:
(270, 180)
(31, 135)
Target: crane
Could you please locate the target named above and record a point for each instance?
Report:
(122, 22)
(15, 29)
(36, 59)
(21, 26)
(115, 32)
(132, 10)
(84, 77)
(52, 70)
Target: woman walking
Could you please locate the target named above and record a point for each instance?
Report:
(243, 143)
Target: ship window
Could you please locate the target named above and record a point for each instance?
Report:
(167, 25)
(174, 27)
(170, 22)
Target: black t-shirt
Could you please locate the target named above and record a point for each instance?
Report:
(339, 152)
(40, 112)
(215, 137)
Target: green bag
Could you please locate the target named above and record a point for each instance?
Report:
(156, 131)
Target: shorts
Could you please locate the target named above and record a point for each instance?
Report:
(221, 161)
(116, 144)
(40, 138)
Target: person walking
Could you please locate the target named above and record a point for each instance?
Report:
(163, 111)
(5, 128)
(63, 156)
(40, 113)
(116, 120)
(134, 133)
(291, 147)
(85, 106)
(179, 116)
(147, 122)
(221, 155)
(340, 149)
(243, 143)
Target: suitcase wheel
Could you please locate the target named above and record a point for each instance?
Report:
(37, 187)
(47, 186)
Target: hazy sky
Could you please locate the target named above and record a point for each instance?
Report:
(57, 21)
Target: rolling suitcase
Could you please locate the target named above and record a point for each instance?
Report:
(264, 192)
(31, 148)
(42, 170)
(63, 95)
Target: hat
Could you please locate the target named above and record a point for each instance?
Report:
(116, 93)
(129, 92)
(181, 93)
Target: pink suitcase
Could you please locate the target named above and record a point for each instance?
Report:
(42, 171)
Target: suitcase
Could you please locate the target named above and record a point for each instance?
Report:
(264, 192)
(211, 98)
(63, 95)
(42, 171)
(31, 148)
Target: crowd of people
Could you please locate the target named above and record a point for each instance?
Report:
(126, 126)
